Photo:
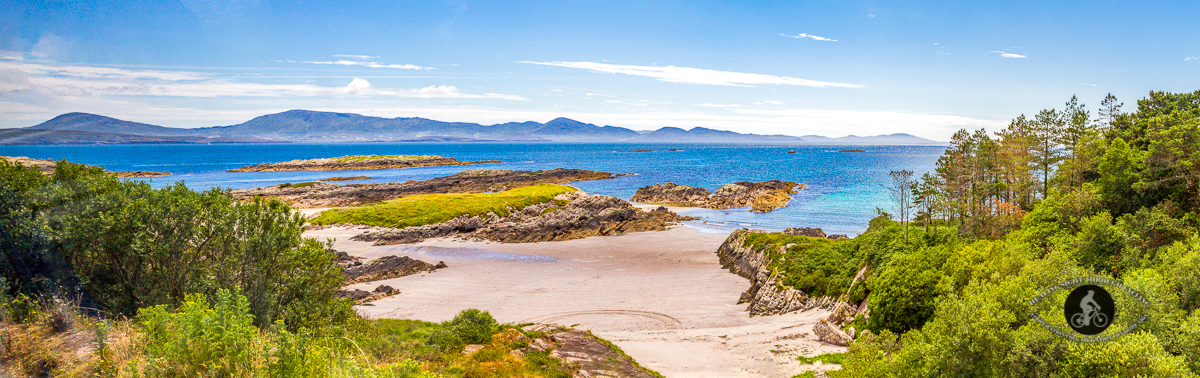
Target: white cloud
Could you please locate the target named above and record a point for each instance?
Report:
(1090, 85)
(50, 47)
(626, 103)
(870, 15)
(11, 55)
(85, 72)
(809, 36)
(711, 105)
(1191, 58)
(1008, 54)
(365, 61)
(695, 75)
(774, 102)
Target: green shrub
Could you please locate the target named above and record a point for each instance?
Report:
(473, 326)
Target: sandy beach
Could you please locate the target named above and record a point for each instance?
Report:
(662, 297)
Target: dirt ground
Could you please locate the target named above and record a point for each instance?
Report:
(662, 297)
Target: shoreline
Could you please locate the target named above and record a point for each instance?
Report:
(660, 296)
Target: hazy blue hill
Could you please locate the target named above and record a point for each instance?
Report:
(315, 126)
(101, 124)
(898, 138)
(700, 134)
(51, 137)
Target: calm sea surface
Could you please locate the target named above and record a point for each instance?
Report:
(843, 188)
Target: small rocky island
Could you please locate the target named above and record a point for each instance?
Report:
(46, 166)
(762, 196)
(320, 194)
(359, 162)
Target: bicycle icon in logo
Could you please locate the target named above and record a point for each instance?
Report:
(1092, 315)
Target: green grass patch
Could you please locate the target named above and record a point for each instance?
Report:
(297, 185)
(437, 208)
(350, 158)
(827, 358)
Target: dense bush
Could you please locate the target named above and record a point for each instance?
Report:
(130, 246)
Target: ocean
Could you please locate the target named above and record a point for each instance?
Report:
(844, 188)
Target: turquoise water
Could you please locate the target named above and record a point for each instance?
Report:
(843, 188)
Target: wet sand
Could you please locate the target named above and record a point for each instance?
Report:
(662, 297)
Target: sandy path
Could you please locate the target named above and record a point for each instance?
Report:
(660, 296)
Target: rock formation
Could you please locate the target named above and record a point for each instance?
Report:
(829, 333)
(320, 194)
(765, 296)
(761, 197)
(582, 215)
(387, 267)
(363, 296)
(813, 232)
(357, 162)
(805, 231)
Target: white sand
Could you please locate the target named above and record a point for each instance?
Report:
(660, 296)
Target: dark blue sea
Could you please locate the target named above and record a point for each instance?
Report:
(844, 188)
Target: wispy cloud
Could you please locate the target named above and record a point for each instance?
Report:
(809, 36)
(774, 102)
(695, 75)
(626, 103)
(1008, 54)
(1087, 84)
(11, 55)
(1191, 58)
(357, 57)
(344, 62)
(724, 106)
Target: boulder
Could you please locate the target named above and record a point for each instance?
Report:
(759, 196)
(838, 237)
(384, 268)
(842, 313)
(829, 333)
(805, 231)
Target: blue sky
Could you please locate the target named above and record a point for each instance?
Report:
(827, 68)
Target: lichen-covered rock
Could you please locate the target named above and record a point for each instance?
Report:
(384, 268)
(759, 196)
(765, 296)
(671, 194)
(322, 194)
(842, 313)
(805, 231)
(828, 333)
(593, 358)
(838, 237)
(582, 216)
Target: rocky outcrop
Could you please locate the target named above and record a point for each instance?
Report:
(765, 296)
(314, 195)
(805, 231)
(363, 296)
(842, 313)
(761, 197)
(593, 358)
(387, 267)
(46, 166)
(358, 162)
(813, 232)
(581, 216)
(351, 178)
(829, 333)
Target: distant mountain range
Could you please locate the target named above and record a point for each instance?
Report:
(312, 126)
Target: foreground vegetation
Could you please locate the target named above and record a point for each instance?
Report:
(104, 277)
(425, 209)
(1052, 197)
